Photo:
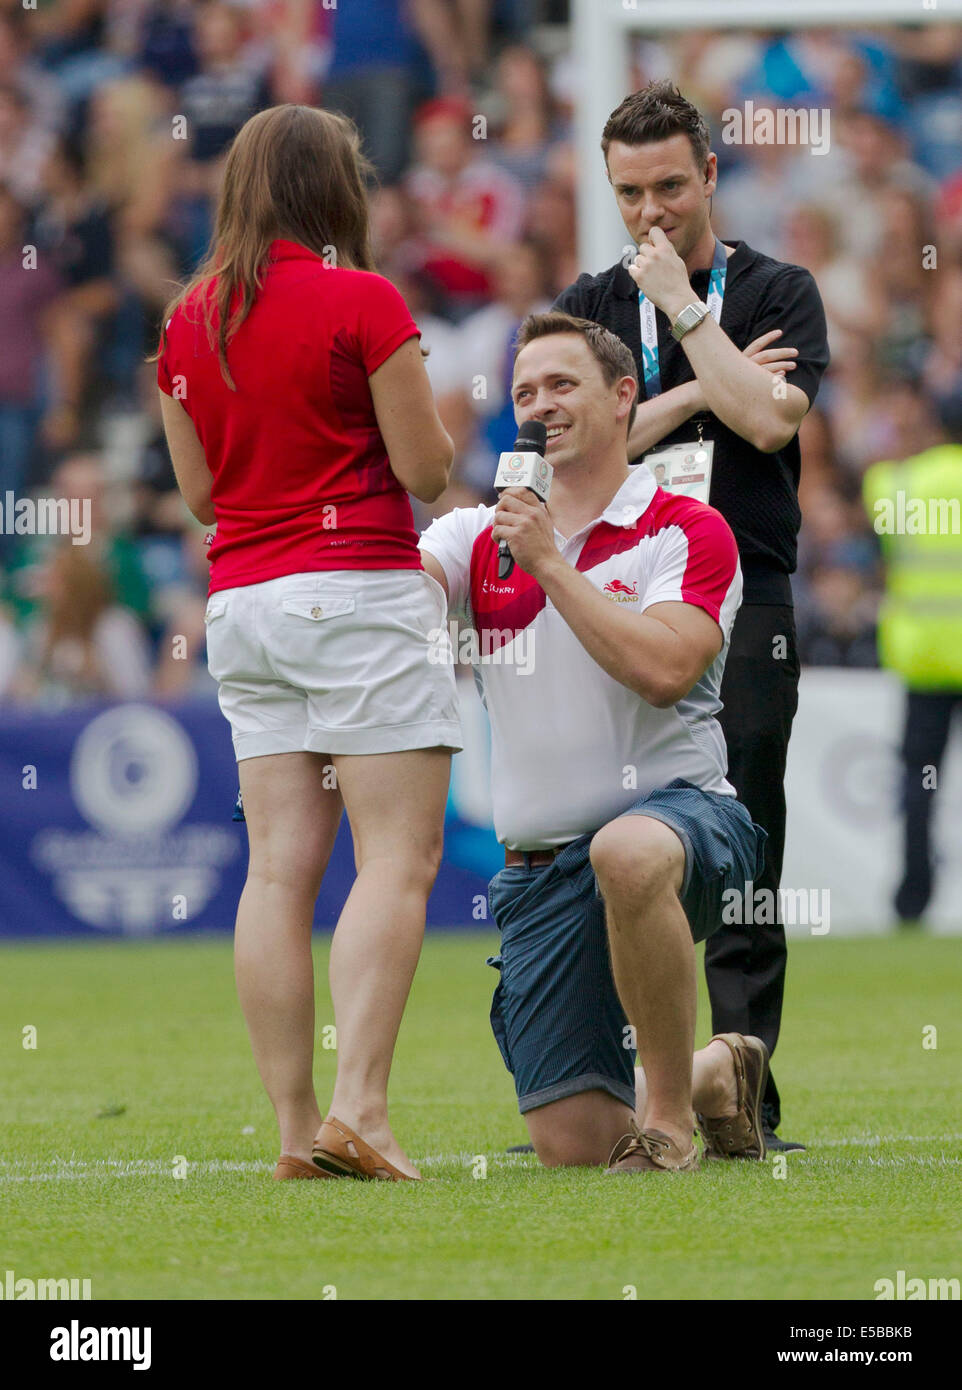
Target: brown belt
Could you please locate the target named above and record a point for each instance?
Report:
(533, 857)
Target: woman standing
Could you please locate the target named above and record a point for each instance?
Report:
(297, 411)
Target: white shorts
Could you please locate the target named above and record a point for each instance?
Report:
(335, 661)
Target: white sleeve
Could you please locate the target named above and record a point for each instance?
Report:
(697, 563)
(122, 649)
(450, 539)
(11, 645)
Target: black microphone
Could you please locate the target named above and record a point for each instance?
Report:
(526, 467)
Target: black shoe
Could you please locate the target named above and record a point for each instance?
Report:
(520, 1149)
(775, 1145)
(911, 900)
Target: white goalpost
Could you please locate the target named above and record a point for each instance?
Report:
(600, 29)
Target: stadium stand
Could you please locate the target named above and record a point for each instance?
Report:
(466, 113)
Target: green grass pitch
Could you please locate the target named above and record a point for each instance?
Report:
(142, 1060)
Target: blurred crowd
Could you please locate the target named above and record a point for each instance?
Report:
(115, 118)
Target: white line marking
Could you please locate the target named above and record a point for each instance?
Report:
(868, 1141)
(67, 1170)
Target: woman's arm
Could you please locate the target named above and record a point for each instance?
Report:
(187, 455)
(418, 446)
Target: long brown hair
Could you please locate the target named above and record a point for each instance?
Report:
(295, 172)
(79, 594)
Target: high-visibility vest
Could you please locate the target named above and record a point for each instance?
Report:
(916, 510)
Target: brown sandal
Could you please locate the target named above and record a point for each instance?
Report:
(341, 1153)
(290, 1167)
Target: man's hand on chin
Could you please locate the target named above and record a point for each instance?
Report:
(523, 521)
(660, 274)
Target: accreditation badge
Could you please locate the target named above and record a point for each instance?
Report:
(684, 469)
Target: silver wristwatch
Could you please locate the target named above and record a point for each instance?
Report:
(690, 317)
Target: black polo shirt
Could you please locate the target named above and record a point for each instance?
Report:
(756, 493)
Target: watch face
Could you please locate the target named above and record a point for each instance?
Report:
(689, 318)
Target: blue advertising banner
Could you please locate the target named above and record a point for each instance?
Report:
(116, 819)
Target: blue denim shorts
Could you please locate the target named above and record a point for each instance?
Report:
(556, 1013)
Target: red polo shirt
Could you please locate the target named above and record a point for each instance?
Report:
(301, 475)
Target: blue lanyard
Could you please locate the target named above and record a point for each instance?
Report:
(649, 325)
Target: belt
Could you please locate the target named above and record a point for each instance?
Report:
(532, 857)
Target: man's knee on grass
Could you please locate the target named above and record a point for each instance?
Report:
(637, 858)
(578, 1131)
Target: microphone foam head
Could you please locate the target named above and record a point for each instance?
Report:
(535, 433)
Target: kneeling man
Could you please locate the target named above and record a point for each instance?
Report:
(608, 771)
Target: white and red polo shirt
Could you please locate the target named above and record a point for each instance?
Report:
(570, 746)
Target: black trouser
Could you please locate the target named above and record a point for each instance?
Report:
(745, 965)
(928, 719)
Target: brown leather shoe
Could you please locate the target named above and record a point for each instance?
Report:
(290, 1167)
(650, 1151)
(343, 1154)
(741, 1135)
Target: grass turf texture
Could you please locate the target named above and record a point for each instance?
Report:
(154, 1028)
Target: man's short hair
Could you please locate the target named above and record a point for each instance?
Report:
(657, 112)
(612, 355)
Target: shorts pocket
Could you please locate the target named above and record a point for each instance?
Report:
(215, 622)
(761, 855)
(316, 607)
(439, 596)
(509, 889)
(498, 1026)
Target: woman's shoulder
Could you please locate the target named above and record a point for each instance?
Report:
(367, 291)
(186, 310)
(364, 282)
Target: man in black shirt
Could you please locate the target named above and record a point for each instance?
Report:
(732, 378)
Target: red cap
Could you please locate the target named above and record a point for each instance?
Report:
(443, 108)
